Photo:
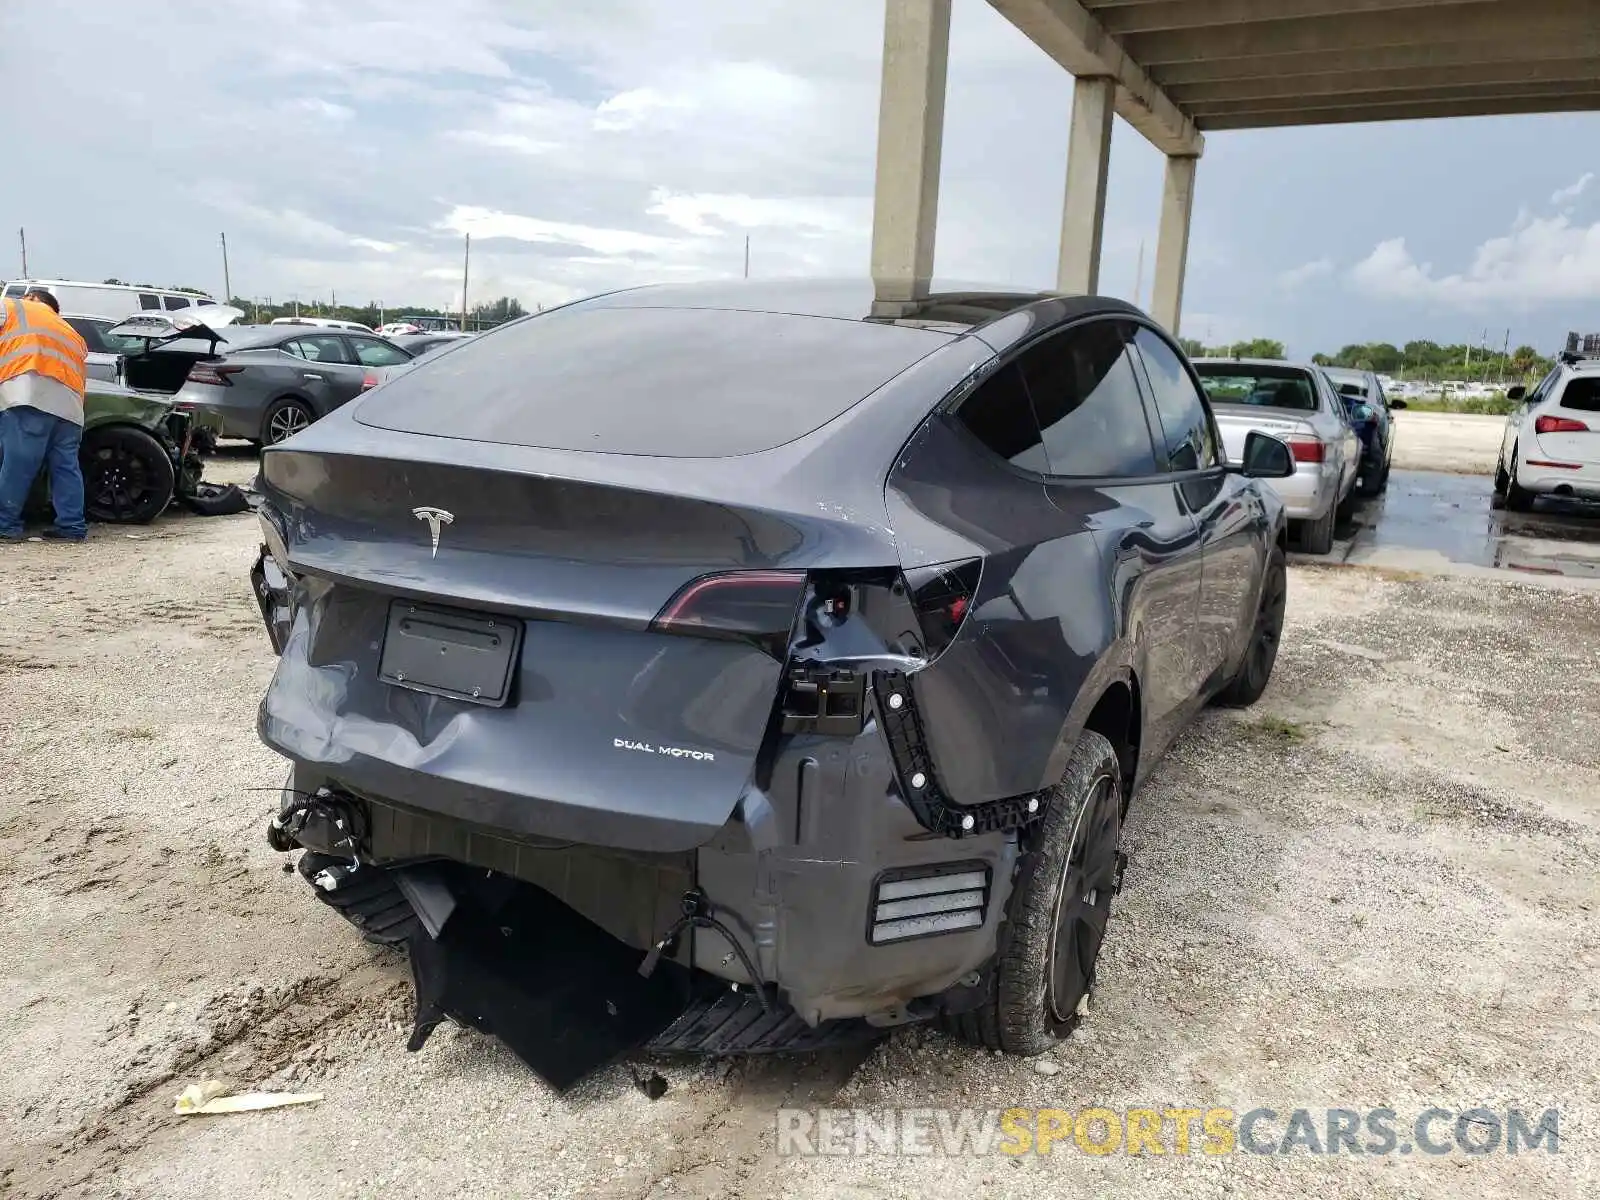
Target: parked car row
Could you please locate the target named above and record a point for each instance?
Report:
(261, 383)
(1337, 424)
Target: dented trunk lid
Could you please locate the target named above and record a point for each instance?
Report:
(609, 730)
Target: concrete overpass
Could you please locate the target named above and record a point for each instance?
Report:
(1176, 69)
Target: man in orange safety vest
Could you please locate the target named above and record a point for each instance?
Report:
(42, 378)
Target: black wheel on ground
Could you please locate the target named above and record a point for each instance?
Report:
(216, 500)
(284, 418)
(1497, 498)
(1371, 482)
(1346, 512)
(370, 900)
(1056, 917)
(1316, 537)
(1262, 652)
(127, 475)
(1518, 499)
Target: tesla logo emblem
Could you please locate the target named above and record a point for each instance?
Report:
(435, 517)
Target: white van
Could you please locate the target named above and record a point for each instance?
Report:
(111, 300)
(325, 322)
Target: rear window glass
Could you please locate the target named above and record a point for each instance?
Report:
(1582, 393)
(1265, 387)
(677, 383)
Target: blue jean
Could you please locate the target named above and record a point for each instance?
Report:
(30, 439)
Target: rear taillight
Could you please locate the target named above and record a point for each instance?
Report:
(1548, 424)
(941, 597)
(213, 374)
(369, 381)
(1307, 449)
(753, 606)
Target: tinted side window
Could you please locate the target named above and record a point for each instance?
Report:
(374, 353)
(174, 302)
(147, 301)
(1582, 394)
(1185, 424)
(999, 415)
(319, 349)
(1085, 393)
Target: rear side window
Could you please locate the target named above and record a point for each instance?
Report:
(374, 353)
(148, 302)
(667, 382)
(15, 289)
(318, 349)
(1186, 430)
(1000, 415)
(176, 302)
(1085, 393)
(1582, 394)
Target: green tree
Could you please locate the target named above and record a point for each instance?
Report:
(1192, 347)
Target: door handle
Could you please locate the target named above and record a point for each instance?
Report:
(1145, 524)
(312, 375)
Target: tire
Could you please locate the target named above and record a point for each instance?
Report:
(1316, 537)
(1497, 497)
(216, 500)
(1370, 485)
(284, 418)
(1261, 653)
(1057, 914)
(1518, 499)
(370, 900)
(127, 476)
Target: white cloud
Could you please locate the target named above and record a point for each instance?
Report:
(485, 223)
(1572, 191)
(1297, 277)
(1542, 259)
(701, 214)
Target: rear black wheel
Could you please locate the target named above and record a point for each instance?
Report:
(283, 419)
(1056, 918)
(1262, 653)
(127, 475)
(1518, 499)
(1316, 537)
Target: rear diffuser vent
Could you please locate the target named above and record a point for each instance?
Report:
(925, 901)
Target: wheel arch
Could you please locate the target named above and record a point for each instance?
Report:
(1111, 703)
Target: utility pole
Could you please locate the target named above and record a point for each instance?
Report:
(466, 265)
(1504, 350)
(747, 256)
(227, 283)
(22, 234)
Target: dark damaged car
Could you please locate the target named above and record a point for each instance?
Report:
(739, 667)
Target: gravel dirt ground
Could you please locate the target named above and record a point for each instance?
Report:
(1377, 887)
(1458, 442)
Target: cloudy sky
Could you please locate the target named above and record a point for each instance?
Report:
(346, 148)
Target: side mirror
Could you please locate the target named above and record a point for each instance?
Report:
(1361, 412)
(1516, 392)
(1396, 402)
(1266, 457)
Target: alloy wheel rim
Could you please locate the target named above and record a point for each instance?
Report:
(119, 481)
(1083, 901)
(288, 421)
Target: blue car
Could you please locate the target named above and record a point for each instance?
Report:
(1370, 413)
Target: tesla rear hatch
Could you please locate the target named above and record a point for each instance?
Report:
(545, 583)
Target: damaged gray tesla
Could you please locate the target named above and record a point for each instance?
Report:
(744, 667)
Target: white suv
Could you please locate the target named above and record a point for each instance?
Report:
(1551, 444)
